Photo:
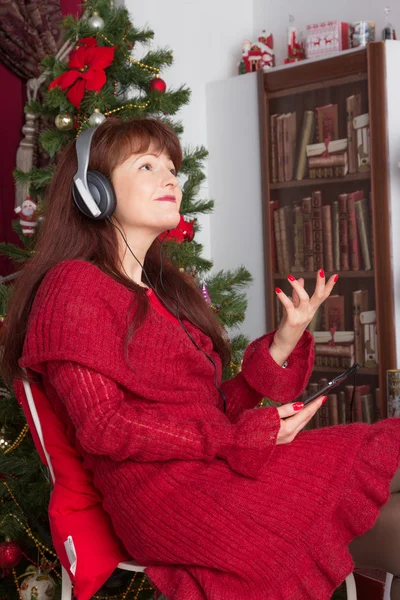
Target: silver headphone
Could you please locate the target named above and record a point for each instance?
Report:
(93, 193)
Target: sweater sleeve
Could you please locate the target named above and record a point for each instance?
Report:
(261, 377)
(108, 424)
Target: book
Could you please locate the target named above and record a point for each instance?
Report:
(315, 322)
(327, 172)
(370, 346)
(343, 233)
(361, 390)
(333, 413)
(334, 313)
(306, 138)
(289, 145)
(286, 230)
(339, 337)
(279, 142)
(324, 410)
(333, 160)
(342, 350)
(274, 149)
(352, 231)
(273, 206)
(353, 109)
(298, 237)
(342, 408)
(327, 122)
(363, 227)
(318, 243)
(361, 125)
(368, 317)
(327, 237)
(335, 235)
(339, 362)
(278, 244)
(308, 234)
(368, 408)
(331, 147)
(360, 304)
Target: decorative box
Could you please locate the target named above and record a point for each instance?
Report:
(325, 38)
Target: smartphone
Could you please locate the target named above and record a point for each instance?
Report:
(332, 384)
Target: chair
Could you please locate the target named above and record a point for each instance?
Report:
(66, 589)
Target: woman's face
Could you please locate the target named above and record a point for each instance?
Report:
(148, 193)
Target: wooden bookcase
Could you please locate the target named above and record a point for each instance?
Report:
(304, 87)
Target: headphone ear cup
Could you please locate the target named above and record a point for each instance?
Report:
(102, 193)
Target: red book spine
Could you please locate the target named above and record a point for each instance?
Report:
(327, 231)
(343, 233)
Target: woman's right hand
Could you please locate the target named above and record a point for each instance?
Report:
(293, 421)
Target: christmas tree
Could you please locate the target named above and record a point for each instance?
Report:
(94, 76)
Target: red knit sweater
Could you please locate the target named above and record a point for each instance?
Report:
(208, 501)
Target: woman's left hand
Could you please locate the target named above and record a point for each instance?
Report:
(299, 311)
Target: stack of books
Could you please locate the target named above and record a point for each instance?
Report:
(308, 235)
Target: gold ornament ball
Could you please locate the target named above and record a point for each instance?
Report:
(95, 22)
(96, 118)
(64, 121)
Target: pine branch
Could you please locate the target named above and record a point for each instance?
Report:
(187, 255)
(200, 207)
(15, 253)
(37, 178)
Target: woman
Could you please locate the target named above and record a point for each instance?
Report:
(219, 500)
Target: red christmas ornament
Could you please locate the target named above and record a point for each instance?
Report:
(10, 554)
(158, 85)
(87, 64)
(184, 232)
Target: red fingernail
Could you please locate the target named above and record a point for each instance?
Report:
(321, 273)
(336, 278)
(324, 399)
(278, 290)
(291, 278)
(298, 406)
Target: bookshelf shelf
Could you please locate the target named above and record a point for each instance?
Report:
(318, 182)
(361, 371)
(342, 274)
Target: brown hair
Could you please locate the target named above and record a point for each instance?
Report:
(66, 234)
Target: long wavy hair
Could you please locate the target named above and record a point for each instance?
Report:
(66, 234)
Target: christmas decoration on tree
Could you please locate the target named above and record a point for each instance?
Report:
(37, 585)
(296, 49)
(95, 76)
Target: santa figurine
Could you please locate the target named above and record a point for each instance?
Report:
(27, 219)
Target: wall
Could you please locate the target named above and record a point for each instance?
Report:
(235, 179)
(266, 16)
(393, 115)
(205, 48)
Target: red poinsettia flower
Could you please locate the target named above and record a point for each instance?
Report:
(87, 66)
(184, 231)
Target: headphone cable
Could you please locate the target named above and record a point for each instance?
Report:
(175, 314)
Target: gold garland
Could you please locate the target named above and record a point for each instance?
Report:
(18, 441)
(40, 547)
(132, 60)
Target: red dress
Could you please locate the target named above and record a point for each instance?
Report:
(208, 501)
